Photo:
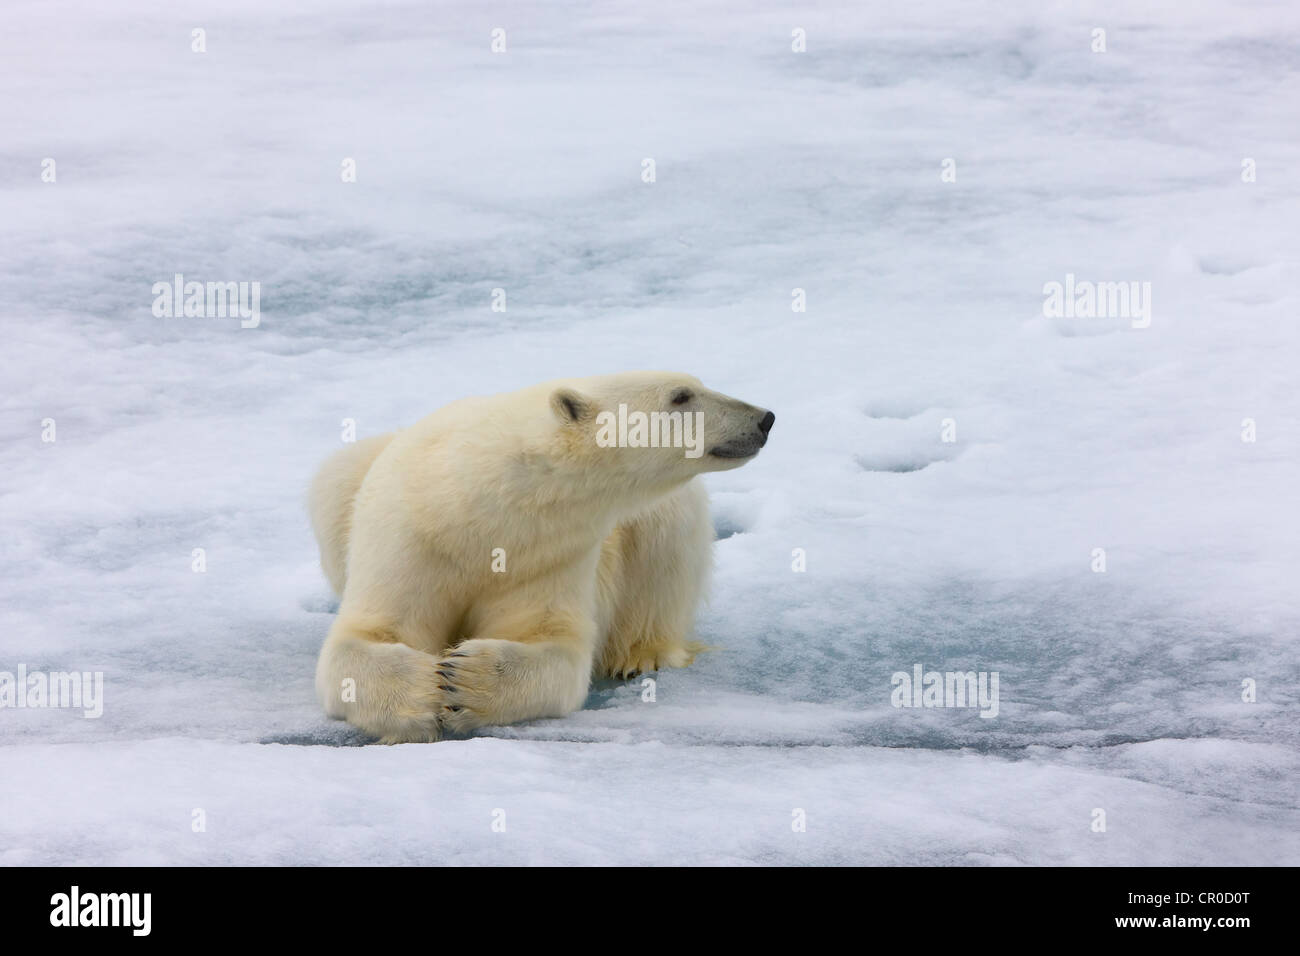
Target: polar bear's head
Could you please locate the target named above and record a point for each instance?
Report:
(658, 427)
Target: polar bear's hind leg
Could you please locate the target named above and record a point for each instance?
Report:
(333, 491)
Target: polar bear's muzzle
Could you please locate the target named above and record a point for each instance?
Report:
(747, 446)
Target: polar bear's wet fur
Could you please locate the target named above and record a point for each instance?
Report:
(495, 556)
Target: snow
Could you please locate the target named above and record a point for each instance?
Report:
(1120, 691)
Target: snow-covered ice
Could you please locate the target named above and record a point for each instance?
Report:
(775, 171)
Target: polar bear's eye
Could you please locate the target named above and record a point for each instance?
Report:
(681, 397)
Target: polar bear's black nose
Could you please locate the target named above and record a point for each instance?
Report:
(765, 425)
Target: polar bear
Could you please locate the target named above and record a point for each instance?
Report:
(495, 555)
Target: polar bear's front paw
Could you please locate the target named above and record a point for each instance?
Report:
(642, 658)
(474, 681)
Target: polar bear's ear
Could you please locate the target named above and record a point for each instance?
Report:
(570, 406)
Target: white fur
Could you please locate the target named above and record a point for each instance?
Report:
(607, 554)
